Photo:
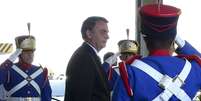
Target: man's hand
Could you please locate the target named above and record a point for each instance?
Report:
(14, 56)
(180, 42)
(112, 59)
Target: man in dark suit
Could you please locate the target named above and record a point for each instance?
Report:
(86, 79)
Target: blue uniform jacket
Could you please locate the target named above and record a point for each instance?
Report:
(10, 78)
(115, 76)
(146, 88)
(187, 49)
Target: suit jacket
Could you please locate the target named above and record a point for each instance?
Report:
(86, 79)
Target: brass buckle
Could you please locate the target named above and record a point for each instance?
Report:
(165, 81)
(29, 79)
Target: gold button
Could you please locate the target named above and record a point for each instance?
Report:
(28, 92)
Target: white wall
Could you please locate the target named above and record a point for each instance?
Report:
(56, 25)
(189, 22)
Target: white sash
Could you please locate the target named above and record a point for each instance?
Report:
(170, 85)
(27, 79)
(116, 69)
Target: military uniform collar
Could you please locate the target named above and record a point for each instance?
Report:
(23, 65)
(160, 52)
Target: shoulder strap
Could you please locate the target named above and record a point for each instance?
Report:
(6, 64)
(170, 85)
(125, 78)
(191, 57)
(133, 58)
(45, 75)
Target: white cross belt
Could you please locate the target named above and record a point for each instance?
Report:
(170, 85)
(27, 79)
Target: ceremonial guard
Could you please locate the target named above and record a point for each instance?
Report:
(128, 50)
(23, 81)
(161, 76)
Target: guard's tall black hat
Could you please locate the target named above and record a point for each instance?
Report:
(159, 21)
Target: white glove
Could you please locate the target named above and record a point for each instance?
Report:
(14, 56)
(180, 42)
(112, 59)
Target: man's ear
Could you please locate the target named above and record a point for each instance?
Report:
(89, 34)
